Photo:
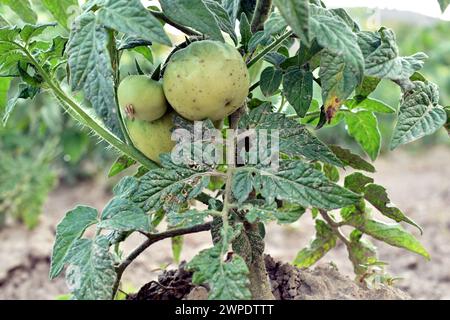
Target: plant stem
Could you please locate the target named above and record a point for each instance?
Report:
(335, 226)
(82, 116)
(262, 12)
(151, 239)
(275, 44)
(163, 17)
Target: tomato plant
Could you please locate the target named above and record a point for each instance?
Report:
(286, 48)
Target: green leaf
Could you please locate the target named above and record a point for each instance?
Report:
(177, 248)
(91, 274)
(68, 230)
(392, 234)
(245, 30)
(369, 104)
(187, 219)
(331, 172)
(232, 7)
(296, 14)
(270, 81)
(227, 279)
(194, 14)
(25, 92)
(124, 215)
(4, 88)
(122, 163)
(91, 69)
(298, 89)
(357, 182)
(367, 86)
(382, 58)
(62, 10)
(420, 114)
(287, 214)
(222, 18)
(294, 138)
(274, 25)
(10, 54)
(131, 18)
(351, 160)
(379, 198)
(324, 241)
(444, 4)
(29, 31)
(168, 188)
(23, 9)
(295, 182)
(363, 127)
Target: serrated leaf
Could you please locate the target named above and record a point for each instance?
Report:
(187, 219)
(131, 17)
(382, 59)
(392, 234)
(294, 138)
(227, 279)
(298, 89)
(23, 9)
(420, 114)
(294, 181)
(91, 274)
(62, 10)
(378, 197)
(369, 104)
(68, 230)
(363, 127)
(124, 215)
(122, 163)
(91, 69)
(351, 160)
(296, 14)
(194, 14)
(222, 18)
(324, 241)
(270, 81)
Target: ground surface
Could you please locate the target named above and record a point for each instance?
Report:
(419, 184)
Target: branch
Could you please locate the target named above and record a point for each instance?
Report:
(262, 12)
(180, 27)
(151, 239)
(335, 226)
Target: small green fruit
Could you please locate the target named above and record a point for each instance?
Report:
(152, 138)
(142, 98)
(206, 80)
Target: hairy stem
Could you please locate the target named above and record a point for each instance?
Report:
(262, 12)
(274, 45)
(335, 226)
(84, 118)
(151, 239)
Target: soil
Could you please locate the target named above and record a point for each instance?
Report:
(324, 282)
(419, 184)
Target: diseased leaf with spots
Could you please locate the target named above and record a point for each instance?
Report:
(270, 81)
(91, 274)
(295, 182)
(187, 218)
(351, 160)
(298, 89)
(324, 241)
(124, 215)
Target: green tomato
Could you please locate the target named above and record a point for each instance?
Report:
(206, 80)
(141, 98)
(152, 138)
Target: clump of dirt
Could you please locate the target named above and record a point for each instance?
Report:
(288, 283)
